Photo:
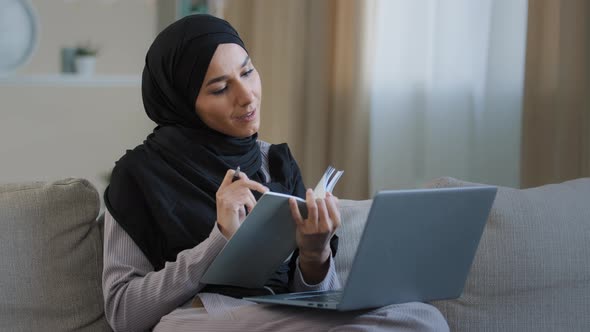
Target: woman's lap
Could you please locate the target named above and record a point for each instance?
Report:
(400, 317)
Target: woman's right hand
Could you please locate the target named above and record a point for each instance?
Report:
(233, 199)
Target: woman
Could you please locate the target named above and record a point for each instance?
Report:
(172, 203)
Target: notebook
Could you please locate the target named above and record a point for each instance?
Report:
(265, 239)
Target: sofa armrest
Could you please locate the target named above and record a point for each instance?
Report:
(51, 257)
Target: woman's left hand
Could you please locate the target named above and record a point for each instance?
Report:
(314, 233)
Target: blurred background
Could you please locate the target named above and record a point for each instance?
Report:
(395, 92)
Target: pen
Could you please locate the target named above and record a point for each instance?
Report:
(236, 175)
(236, 178)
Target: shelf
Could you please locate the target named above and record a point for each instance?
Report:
(71, 80)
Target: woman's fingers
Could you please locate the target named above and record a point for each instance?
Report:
(324, 223)
(249, 205)
(250, 184)
(244, 181)
(250, 201)
(235, 195)
(295, 212)
(333, 210)
(322, 214)
(312, 210)
(253, 185)
(227, 179)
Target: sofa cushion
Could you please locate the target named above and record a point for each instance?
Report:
(353, 215)
(51, 258)
(532, 268)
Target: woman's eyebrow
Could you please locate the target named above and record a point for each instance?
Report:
(224, 77)
(217, 79)
(245, 61)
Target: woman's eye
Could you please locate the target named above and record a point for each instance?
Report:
(246, 74)
(220, 91)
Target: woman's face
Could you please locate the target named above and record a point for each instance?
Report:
(229, 99)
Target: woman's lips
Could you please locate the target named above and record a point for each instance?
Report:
(247, 117)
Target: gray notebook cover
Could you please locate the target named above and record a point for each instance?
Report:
(265, 239)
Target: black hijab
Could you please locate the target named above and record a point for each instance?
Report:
(162, 193)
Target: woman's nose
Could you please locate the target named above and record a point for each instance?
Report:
(244, 94)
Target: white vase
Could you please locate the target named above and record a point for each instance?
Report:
(85, 65)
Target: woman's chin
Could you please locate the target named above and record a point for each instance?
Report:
(250, 129)
(246, 132)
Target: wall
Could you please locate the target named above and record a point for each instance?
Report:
(123, 29)
(53, 131)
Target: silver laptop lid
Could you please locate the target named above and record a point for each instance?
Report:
(417, 245)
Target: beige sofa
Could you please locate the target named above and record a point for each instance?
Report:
(531, 271)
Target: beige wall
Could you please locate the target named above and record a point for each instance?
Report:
(56, 130)
(123, 28)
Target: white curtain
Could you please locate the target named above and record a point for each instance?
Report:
(447, 91)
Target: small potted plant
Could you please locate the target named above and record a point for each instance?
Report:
(85, 59)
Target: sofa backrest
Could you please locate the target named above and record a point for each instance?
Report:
(354, 215)
(532, 268)
(531, 271)
(51, 259)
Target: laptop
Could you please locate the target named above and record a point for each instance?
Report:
(417, 245)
